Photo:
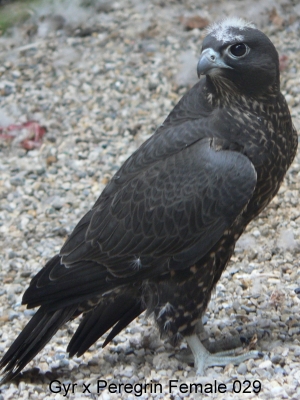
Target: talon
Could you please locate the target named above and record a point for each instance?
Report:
(204, 359)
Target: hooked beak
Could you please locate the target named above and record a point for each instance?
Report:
(208, 61)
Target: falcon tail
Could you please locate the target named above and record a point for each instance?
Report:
(104, 310)
(118, 313)
(36, 334)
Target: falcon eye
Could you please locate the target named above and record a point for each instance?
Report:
(238, 50)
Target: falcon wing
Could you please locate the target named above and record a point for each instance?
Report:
(186, 124)
(176, 209)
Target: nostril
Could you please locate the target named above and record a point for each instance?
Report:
(212, 57)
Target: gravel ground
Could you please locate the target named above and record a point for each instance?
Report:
(101, 79)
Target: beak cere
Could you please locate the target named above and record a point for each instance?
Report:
(209, 60)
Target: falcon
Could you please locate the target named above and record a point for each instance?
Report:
(163, 230)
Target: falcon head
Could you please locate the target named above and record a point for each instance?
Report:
(237, 53)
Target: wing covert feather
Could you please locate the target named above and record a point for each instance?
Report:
(183, 202)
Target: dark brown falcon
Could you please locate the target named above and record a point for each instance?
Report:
(164, 228)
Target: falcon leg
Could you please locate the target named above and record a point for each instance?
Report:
(204, 359)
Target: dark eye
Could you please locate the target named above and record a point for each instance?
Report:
(238, 50)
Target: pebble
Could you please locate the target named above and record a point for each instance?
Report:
(276, 359)
(279, 391)
(265, 364)
(57, 203)
(297, 351)
(12, 315)
(242, 369)
(280, 370)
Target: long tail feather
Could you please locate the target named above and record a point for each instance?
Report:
(32, 339)
(128, 317)
(102, 318)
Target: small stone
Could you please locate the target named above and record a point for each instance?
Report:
(276, 359)
(40, 170)
(57, 203)
(265, 364)
(16, 74)
(12, 254)
(280, 370)
(12, 315)
(297, 351)
(242, 369)
(152, 85)
(128, 372)
(279, 391)
(17, 181)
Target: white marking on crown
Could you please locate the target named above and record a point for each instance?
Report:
(221, 30)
